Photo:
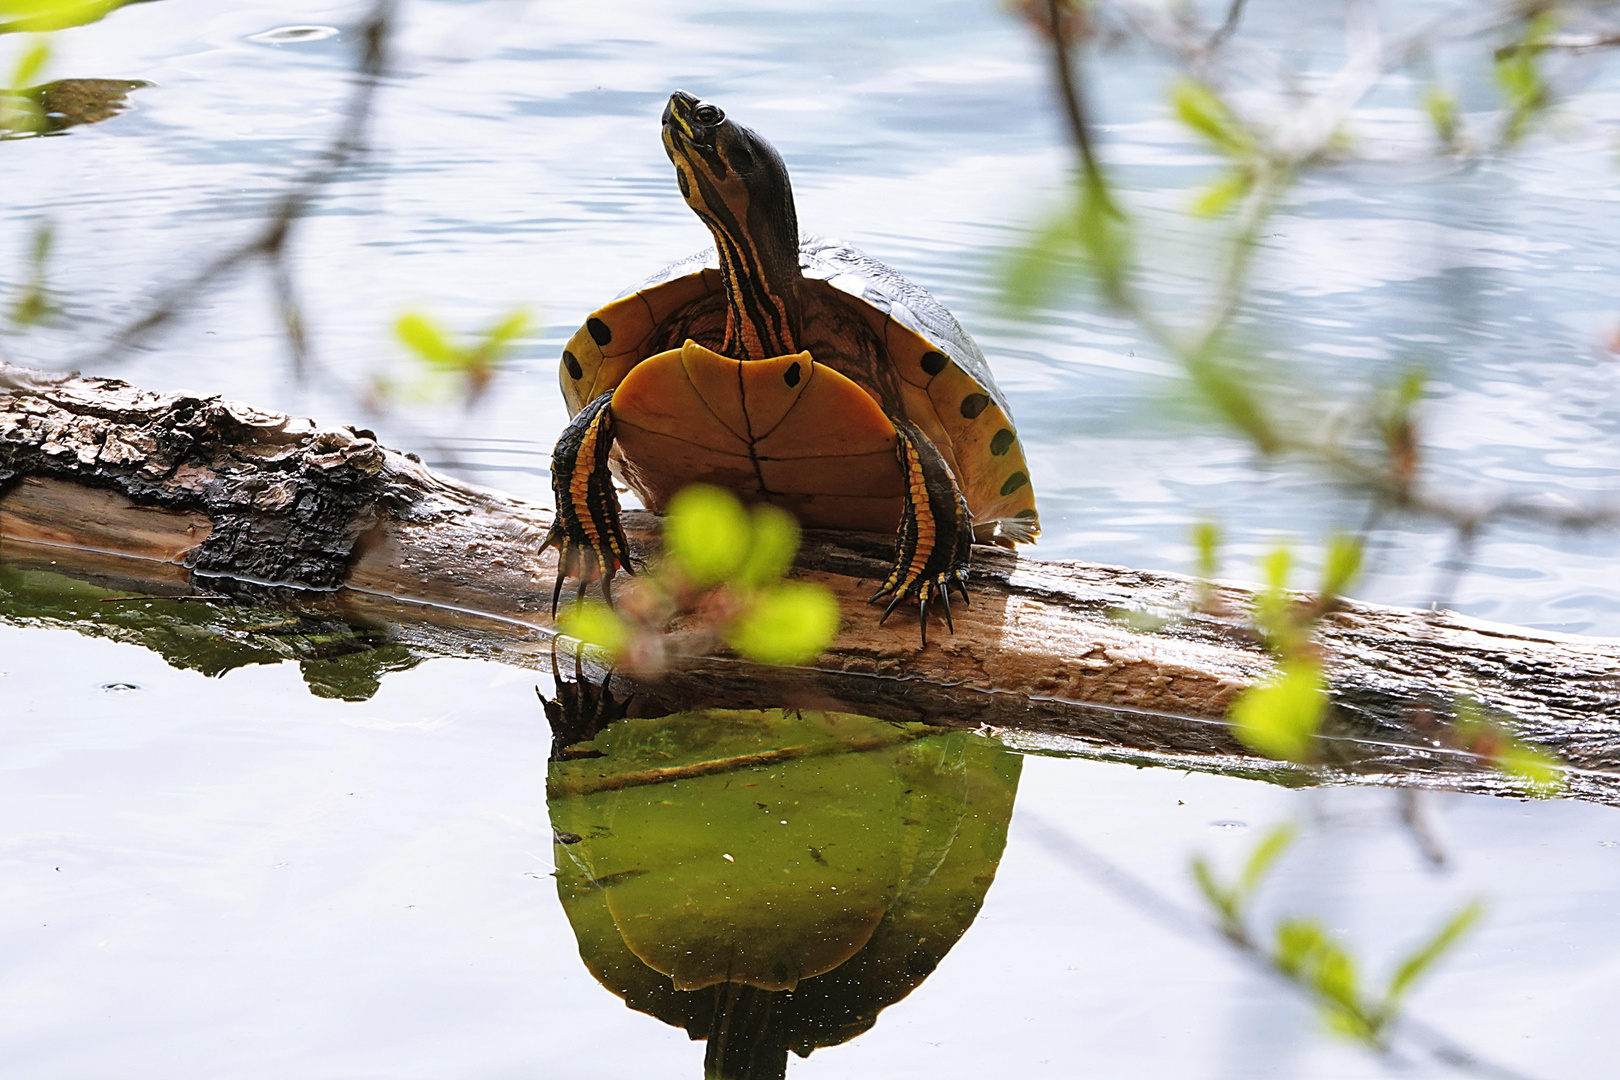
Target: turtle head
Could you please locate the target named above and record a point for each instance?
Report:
(735, 181)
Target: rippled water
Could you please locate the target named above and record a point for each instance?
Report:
(517, 161)
(230, 876)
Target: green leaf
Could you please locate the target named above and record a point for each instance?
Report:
(792, 622)
(1223, 900)
(1264, 857)
(1274, 610)
(31, 63)
(1280, 717)
(38, 16)
(1207, 542)
(1543, 772)
(774, 542)
(1297, 943)
(503, 332)
(1474, 729)
(1227, 391)
(1202, 110)
(1334, 977)
(1089, 234)
(1441, 105)
(1342, 565)
(1277, 566)
(707, 534)
(1218, 197)
(40, 249)
(1308, 955)
(424, 338)
(594, 623)
(1424, 956)
(1518, 74)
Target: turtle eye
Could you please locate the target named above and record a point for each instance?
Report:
(707, 114)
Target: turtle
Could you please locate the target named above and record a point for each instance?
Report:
(802, 373)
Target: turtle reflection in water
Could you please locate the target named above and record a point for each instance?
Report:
(771, 880)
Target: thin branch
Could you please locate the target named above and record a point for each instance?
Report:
(293, 324)
(1417, 823)
(1146, 899)
(375, 32)
(1073, 102)
(1234, 15)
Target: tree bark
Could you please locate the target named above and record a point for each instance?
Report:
(176, 493)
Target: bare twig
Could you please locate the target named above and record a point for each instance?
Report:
(1304, 135)
(1073, 103)
(1145, 898)
(1415, 819)
(269, 242)
(1234, 15)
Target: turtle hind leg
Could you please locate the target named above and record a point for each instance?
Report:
(935, 544)
(586, 532)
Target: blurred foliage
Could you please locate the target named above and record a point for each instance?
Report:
(1518, 73)
(723, 566)
(1480, 732)
(28, 108)
(1281, 716)
(1306, 953)
(33, 303)
(451, 369)
(20, 114)
(39, 16)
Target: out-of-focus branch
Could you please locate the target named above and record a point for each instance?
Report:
(1228, 27)
(1073, 103)
(269, 242)
(1304, 136)
(1144, 898)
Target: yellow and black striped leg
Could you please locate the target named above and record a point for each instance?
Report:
(586, 531)
(936, 532)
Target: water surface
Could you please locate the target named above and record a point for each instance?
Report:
(231, 875)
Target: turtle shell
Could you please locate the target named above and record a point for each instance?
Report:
(884, 333)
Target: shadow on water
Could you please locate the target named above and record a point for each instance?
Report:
(769, 880)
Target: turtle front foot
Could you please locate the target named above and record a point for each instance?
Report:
(586, 532)
(935, 544)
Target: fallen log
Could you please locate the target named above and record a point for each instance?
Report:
(178, 492)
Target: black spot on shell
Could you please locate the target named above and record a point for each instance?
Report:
(1027, 512)
(571, 362)
(974, 404)
(1013, 483)
(599, 330)
(933, 362)
(683, 183)
(791, 375)
(1002, 442)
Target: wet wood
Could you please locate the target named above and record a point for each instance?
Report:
(183, 492)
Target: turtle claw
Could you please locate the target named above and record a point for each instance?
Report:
(586, 532)
(935, 543)
(925, 592)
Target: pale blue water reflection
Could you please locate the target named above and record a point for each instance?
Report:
(229, 876)
(518, 161)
